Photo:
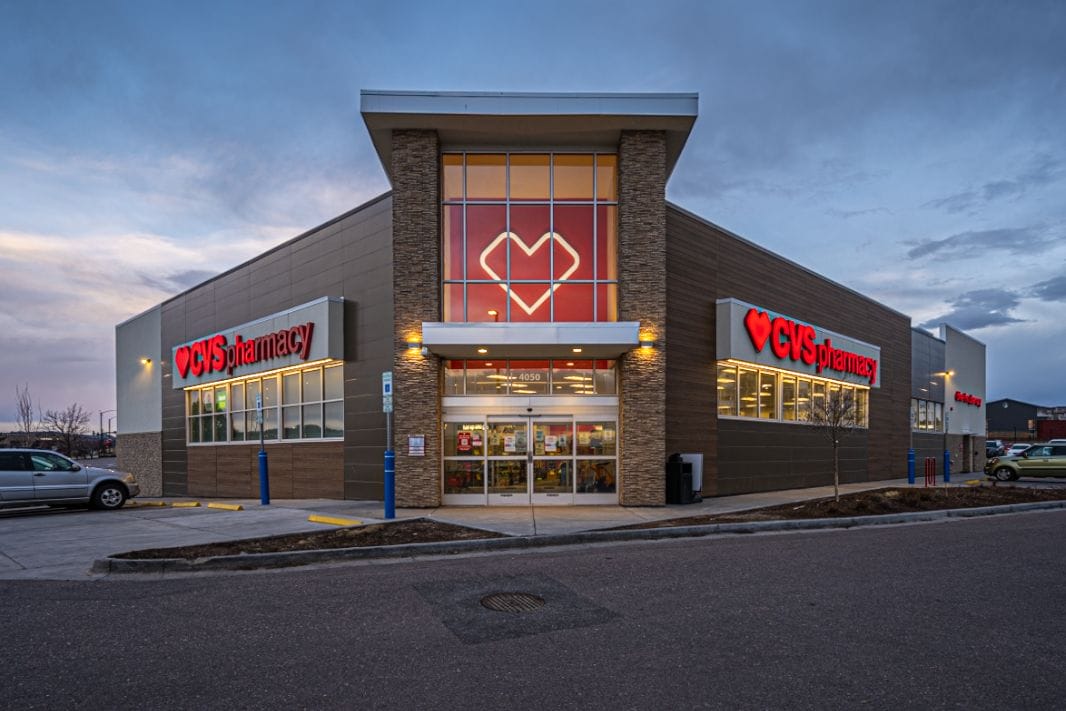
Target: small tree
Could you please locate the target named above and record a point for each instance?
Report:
(25, 420)
(69, 424)
(837, 415)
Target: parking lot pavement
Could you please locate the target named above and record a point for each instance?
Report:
(62, 544)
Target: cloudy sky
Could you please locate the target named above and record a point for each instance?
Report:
(913, 151)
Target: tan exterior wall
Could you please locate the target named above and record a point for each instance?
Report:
(416, 289)
(642, 297)
(141, 454)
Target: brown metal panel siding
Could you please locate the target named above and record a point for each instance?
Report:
(705, 264)
(691, 269)
(350, 257)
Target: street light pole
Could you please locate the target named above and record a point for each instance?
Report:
(100, 432)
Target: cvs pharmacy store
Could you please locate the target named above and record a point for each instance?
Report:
(553, 326)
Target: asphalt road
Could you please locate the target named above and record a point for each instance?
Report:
(963, 614)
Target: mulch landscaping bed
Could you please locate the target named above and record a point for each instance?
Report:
(376, 534)
(872, 503)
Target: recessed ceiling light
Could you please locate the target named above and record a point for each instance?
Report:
(576, 350)
(482, 350)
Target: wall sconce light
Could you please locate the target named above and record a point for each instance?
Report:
(146, 361)
(413, 345)
(647, 345)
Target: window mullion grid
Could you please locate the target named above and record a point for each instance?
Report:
(595, 235)
(551, 242)
(507, 209)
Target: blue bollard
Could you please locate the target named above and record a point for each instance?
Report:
(390, 484)
(264, 479)
(910, 466)
(947, 466)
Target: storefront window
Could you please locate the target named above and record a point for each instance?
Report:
(766, 394)
(788, 398)
(529, 377)
(927, 416)
(727, 389)
(596, 439)
(749, 393)
(311, 406)
(529, 237)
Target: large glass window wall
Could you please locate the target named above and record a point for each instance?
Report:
(298, 404)
(757, 393)
(529, 236)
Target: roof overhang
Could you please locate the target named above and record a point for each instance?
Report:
(488, 120)
(531, 340)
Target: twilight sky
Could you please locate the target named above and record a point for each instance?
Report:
(913, 151)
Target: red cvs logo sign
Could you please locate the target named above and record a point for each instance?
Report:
(217, 355)
(967, 398)
(795, 341)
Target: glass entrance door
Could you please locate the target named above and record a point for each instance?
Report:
(508, 460)
(516, 460)
(552, 461)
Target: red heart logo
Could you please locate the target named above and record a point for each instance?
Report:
(181, 359)
(758, 325)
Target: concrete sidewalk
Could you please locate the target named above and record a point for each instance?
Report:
(62, 544)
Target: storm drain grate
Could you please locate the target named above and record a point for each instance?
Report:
(512, 602)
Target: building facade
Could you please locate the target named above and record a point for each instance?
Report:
(552, 326)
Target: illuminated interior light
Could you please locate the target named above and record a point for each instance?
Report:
(570, 364)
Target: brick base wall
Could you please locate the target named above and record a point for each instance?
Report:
(141, 454)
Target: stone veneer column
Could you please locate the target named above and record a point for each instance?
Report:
(416, 298)
(642, 297)
(141, 454)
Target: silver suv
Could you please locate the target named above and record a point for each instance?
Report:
(39, 476)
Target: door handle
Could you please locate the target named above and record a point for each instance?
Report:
(39, 474)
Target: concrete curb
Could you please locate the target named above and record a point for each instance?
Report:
(256, 561)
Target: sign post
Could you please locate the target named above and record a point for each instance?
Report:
(390, 455)
(264, 477)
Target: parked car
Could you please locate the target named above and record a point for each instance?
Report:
(1017, 448)
(39, 476)
(1036, 460)
(997, 443)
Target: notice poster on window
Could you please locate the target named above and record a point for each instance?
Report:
(463, 442)
(509, 443)
(416, 446)
(551, 443)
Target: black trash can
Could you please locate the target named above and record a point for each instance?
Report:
(678, 480)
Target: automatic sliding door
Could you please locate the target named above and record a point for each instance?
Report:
(553, 461)
(508, 452)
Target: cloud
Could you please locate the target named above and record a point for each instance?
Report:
(1044, 172)
(1050, 290)
(980, 308)
(848, 214)
(973, 243)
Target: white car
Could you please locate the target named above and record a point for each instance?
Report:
(1016, 449)
(39, 476)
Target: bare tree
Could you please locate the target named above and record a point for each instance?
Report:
(25, 420)
(837, 415)
(69, 424)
